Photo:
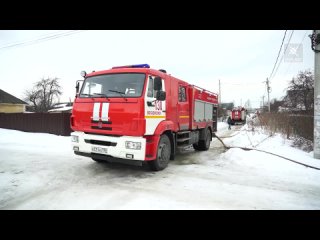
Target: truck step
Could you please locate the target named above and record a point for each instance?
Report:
(185, 132)
(182, 139)
(183, 148)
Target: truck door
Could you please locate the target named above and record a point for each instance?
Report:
(155, 111)
(183, 113)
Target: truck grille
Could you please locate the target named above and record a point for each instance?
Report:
(103, 143)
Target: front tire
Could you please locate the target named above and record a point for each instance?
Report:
(163, 154)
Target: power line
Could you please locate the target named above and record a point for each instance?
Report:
(41, 39)
(284, 36)
(283, 54)
(241, 84)
(26, 40)
(305, 34)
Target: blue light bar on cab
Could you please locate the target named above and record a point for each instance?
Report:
(133, 66)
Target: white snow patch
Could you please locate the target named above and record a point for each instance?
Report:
(40, 171)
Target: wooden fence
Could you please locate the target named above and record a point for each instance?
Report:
(289, 124)
(55, 123)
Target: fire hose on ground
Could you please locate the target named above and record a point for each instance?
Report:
(254, 149)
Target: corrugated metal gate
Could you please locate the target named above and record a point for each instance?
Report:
(55, 123)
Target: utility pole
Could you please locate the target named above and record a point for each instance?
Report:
(268, 90)
(219, 93)
(316, 136)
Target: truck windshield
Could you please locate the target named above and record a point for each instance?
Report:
(110, 85)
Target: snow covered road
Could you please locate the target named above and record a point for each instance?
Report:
(40, 171)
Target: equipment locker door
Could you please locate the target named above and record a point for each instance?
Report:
(183, 109)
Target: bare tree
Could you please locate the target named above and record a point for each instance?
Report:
(43, 94)
(300, 93)
(275, 104)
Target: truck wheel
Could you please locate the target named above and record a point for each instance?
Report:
(203, 145)
(196, 147)
(163, 154)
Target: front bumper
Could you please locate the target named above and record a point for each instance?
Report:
(112, 145)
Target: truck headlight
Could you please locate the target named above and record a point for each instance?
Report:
(74, 138)
(133, 145)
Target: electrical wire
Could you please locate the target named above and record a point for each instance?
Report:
(295, 55)
(41, 39)
(284, 36)
(282, 56)
(26, 40)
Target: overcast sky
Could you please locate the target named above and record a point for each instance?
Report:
(242, 60)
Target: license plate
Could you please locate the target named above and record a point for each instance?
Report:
(99, 150)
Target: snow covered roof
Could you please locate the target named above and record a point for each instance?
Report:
(62, 109)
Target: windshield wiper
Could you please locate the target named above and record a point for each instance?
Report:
(101, 94)
(121, 93)
(85, 94)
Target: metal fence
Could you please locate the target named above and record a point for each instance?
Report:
(55, 123)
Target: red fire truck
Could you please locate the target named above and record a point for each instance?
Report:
(135, 114)
(238, 115)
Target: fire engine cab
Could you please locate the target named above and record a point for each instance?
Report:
(135, 114)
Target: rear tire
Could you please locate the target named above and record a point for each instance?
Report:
(204, 145)
(163, 154)
(196, 147)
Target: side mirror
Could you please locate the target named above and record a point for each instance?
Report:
(78, 86)
(161, 95)
(157, 83)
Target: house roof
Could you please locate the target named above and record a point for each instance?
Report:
(62, 109)
(8, 98)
